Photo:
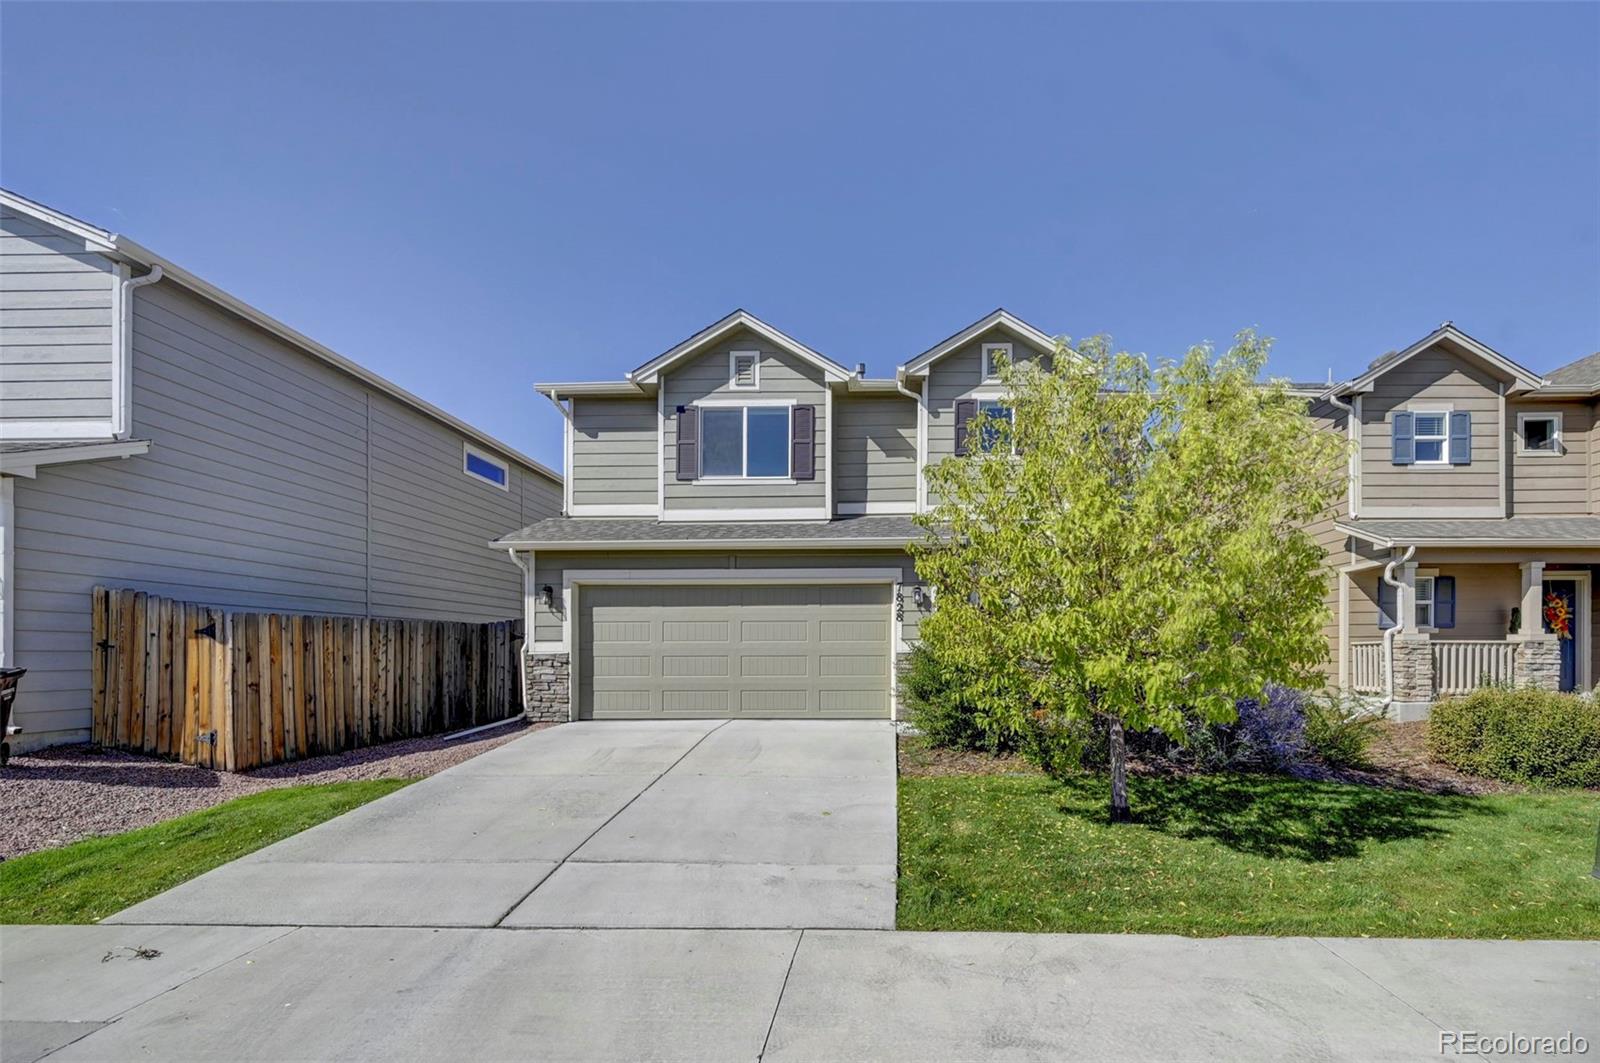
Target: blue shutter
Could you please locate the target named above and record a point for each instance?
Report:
(1460, 438)
(1403, 439)
(1444, 601)
(1386, 605)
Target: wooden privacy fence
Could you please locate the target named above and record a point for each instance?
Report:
(236, 690)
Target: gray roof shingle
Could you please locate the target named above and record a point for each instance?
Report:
(597, 532)
(1512, 531)
(1584, 373)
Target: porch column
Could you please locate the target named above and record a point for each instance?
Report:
(1412, 649)
(1405, 599)
(1536, 660)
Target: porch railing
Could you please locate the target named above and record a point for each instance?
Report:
(1460, 667)
(1366, 667)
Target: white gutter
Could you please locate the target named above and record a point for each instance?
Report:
(1388, 636)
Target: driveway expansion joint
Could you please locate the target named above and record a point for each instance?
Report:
(608, 820)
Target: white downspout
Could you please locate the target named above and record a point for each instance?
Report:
(1354, 489)
(1400, 601)
(566, 451)
(527, 623)
(122, 416)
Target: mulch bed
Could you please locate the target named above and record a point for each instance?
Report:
(1398, 760)
(64, 794)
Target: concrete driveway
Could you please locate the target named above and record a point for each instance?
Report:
(671, 824)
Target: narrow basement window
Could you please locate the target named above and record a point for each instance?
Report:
(484, 466)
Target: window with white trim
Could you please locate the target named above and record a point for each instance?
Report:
(485, 466)
(1424, 601)
(744, 370)
(1431, 430)
(993, 412)
(994, 354)
(1539, 433)
(745, 442)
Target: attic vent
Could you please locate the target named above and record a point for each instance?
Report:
(743, 371)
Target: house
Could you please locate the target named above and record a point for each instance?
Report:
(1470, 527)
(161, 434)
(733, 536)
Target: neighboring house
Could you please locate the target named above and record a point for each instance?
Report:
(160, 434)
(733, 537)
(1473, 506)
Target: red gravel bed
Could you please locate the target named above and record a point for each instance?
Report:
(64, 794)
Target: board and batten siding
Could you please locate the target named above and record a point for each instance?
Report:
(1436, 378)
(614, 452)
(783, 377)
(254, 495)
(56, 320)
(551, 568)
(875, 452)
(1551, 484)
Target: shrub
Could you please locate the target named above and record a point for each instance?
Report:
(1339, 729)
(1268, 734)
(1527, 736)
(937, 702)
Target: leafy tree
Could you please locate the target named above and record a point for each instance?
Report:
(1130, 545)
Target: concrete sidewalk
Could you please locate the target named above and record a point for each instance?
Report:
(279, 993)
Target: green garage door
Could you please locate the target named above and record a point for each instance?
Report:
(721, 650)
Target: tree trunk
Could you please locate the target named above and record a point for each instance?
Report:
(1120, 812)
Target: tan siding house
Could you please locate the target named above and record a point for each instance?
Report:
(251, 469)
(1465, 550)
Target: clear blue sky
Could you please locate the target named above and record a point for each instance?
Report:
(471, 198)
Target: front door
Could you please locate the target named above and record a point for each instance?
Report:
(1561, 617)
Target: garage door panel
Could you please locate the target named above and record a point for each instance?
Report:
(835, 665)
(693, 631)
(697, 665)
(870, 631)
(734, 650)
(773, 630)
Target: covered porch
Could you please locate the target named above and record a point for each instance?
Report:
(1424, 616)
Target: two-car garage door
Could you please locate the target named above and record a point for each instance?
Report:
(721, 650)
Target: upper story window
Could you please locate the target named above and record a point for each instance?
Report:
(1432, 436)
(993, 412)
(484, 466)
(744, 370)
(1540, 433)
(994, 356)
(745, 442)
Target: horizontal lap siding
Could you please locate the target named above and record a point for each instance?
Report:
(1436, 376)
(782, 376)
(56, 321)
(614, 452)
(1557, 484)
(1485, 596)
(875, 450)
(431, 524)
(253, 496)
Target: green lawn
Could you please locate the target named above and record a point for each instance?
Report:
(91, 879)
(1245, 854)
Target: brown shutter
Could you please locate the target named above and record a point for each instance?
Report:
(688, 442)
(966, 410)
(803, 445)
